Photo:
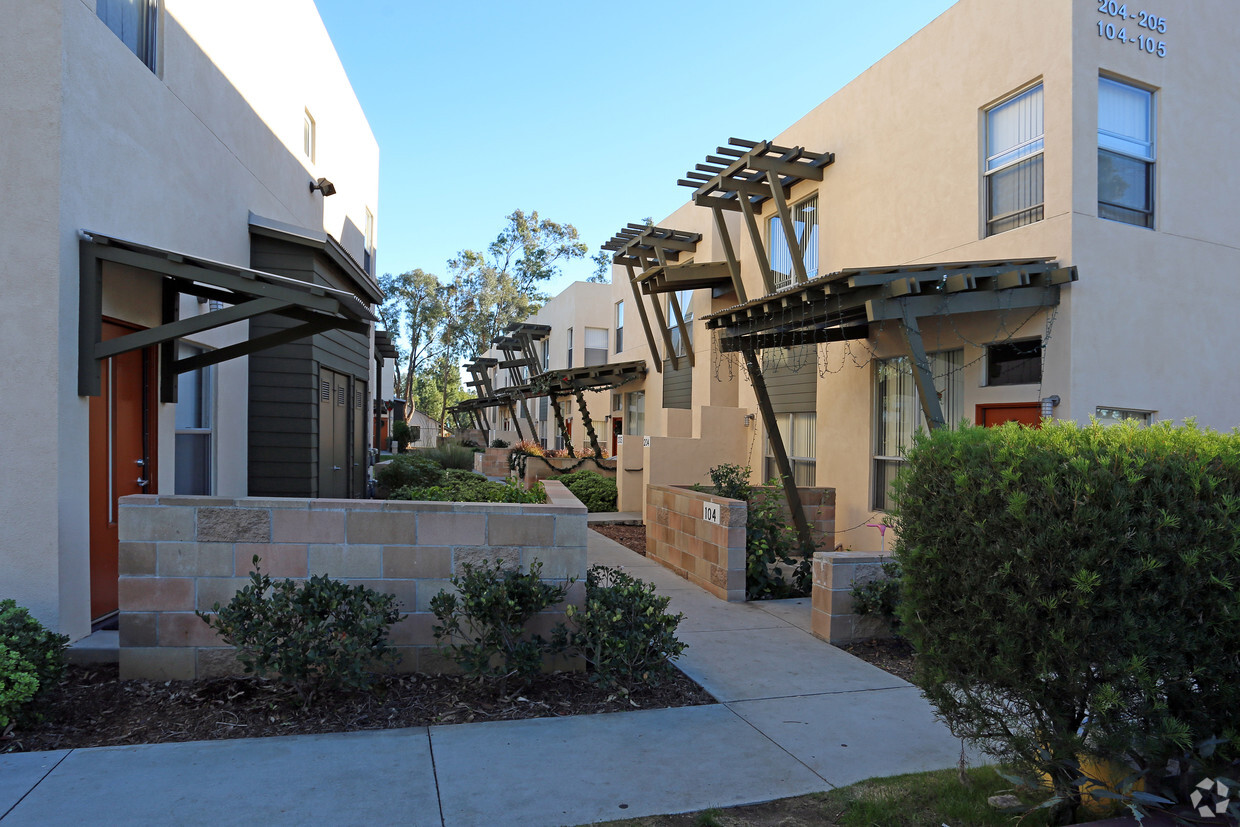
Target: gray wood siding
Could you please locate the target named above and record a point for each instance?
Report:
(677, 385)
(284, 381)
(792, 378)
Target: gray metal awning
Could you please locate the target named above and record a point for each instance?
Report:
(248, 293)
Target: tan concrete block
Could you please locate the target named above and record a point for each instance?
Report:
(520, 529)
(344, 561)
(557, 563)
(575, 593)
(719, 577)
(144, 523)
(838, 601)
(435, 661)
(277, 559)
(484, 556)
(335, 504)
(138, 628)
(841, 575)
(212, 590)
(736, 580)
(452, 529)
(820, 598)
(157, 664)
(407, 507)
(427, 562)
(156, 594)
(183, 629)
(413, 629)
(295, 526)
(381, 527)
(218, 663)
(405, 591)
(137, 558)
(234, 525)
(820, 624)
(195, 501)
(428, 589)
(570, 530)
(195, 559)
(277, 502)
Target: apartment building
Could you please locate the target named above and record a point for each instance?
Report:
(1020, 212)
(191, 274)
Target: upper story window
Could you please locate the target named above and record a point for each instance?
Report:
(805, 224)
(596, 346)
(1014, 162)
(368, 254)
(570, 347)
(309, 136)
(195, 449)
(680, 299)
(619, 326)
(1125, 153)
(1014, 363)
(135, 22)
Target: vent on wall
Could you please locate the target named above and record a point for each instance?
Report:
(340, 396)
(325, 391)
(357, 399)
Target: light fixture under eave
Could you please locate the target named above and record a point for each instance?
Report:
(324, 186)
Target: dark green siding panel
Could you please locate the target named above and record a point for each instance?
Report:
(792, 378)
(677, 385)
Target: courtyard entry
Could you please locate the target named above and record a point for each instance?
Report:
(121, 458)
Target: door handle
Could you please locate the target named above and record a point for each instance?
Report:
(143, 483)
(335, 467)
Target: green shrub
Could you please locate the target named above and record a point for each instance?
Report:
(880, 597)
(769, 546)
(403, 434)
(500, 443)
(33, 653)
(468, 487)
(1074, 591)
(450, 455)
(415, 469)
(487, 617)
(314, 636)
(624, 632)
(596, 492)
(731, 481)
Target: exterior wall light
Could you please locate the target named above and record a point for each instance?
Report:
(324, 186)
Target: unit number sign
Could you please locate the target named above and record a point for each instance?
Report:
(1137, 28)
(710, 513)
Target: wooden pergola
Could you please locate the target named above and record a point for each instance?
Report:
(743, 176)
(844, 305)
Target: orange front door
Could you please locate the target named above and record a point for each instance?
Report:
(121, 437)
(617, 427)
(1026, 413)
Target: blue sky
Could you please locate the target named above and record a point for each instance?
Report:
(585, 111)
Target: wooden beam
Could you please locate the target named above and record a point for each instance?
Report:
(729, 253)
(923, 377)
(170, 298)
(641, 312)
(776, 441)
(292, 334)
(762, 341)
(804, 171)
(755, 237)
(790, 232)
(188, 327)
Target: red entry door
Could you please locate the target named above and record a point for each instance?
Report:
(1026, 413)
(617, 427)
(121, 438)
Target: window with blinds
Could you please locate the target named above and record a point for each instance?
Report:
(1014, 162)
(619, 326)
(805, 223)
(798, 432)
(195, 434)
(1125, 153)
(135, 22)
(681, 299)
(897, 411)
(596, 346)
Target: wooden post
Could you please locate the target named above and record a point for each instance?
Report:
(791, 495)
(585, 418)
(559, 422)
(641, 312)
(171, 299)
(734, 265)
(790, 232)
(923, 377)
(755, 235)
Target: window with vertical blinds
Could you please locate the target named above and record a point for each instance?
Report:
(135, 22)
(897, 411)
(805, 222)
(596, 346)
(1014, 162)
(619, 326)
(798, 432)
(1125, 153)
(681, 299)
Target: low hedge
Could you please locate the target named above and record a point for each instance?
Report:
(596, 492)
(468, 487)
(1075, 591)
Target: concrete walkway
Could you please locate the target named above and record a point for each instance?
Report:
(796, 716)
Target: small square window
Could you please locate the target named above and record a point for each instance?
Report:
(309, 136)
(1114, 416)
(1014, 363)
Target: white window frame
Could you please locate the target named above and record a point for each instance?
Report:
(777, 244)
(619, 326)
(803, 458)
(570, 348)
(684, 298)
(592, 356)
(309, 137)
(1132, 149)
(1009, 159)
(206, 396)
(1107, 415)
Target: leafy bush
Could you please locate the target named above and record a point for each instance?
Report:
(468, 487)
(624, 632)
(531, 447)
(1073, 591)
(731, 481)
(769, 545)
(499, 443)
(416, 469)
(450, 455)
(487, 616)
(314, 636)
(881, 597)
(596, 492)
(32, 659)
(404, 433)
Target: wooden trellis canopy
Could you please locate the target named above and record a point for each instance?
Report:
(843, 305)
(742, 177)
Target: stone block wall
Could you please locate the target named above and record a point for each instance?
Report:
(679, 537)
(835, 574)
(181, 554)
(540, 468)
(492, 462)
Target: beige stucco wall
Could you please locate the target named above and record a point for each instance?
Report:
(176, 159)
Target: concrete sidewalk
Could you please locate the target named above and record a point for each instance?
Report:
(796, 716)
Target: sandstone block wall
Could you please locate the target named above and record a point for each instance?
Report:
(181, 554)
(835, 574)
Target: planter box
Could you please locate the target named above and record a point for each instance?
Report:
(492, 462)
(179, 554)
(835, 574)
(540, 468)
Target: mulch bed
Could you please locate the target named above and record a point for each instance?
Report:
(632, 537)
(894, 655)
(92, 707)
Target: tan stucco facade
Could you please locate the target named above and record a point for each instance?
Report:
(1148, 327)
(175, 157)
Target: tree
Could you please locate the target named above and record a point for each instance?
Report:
(602, 268)
(412, 312)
